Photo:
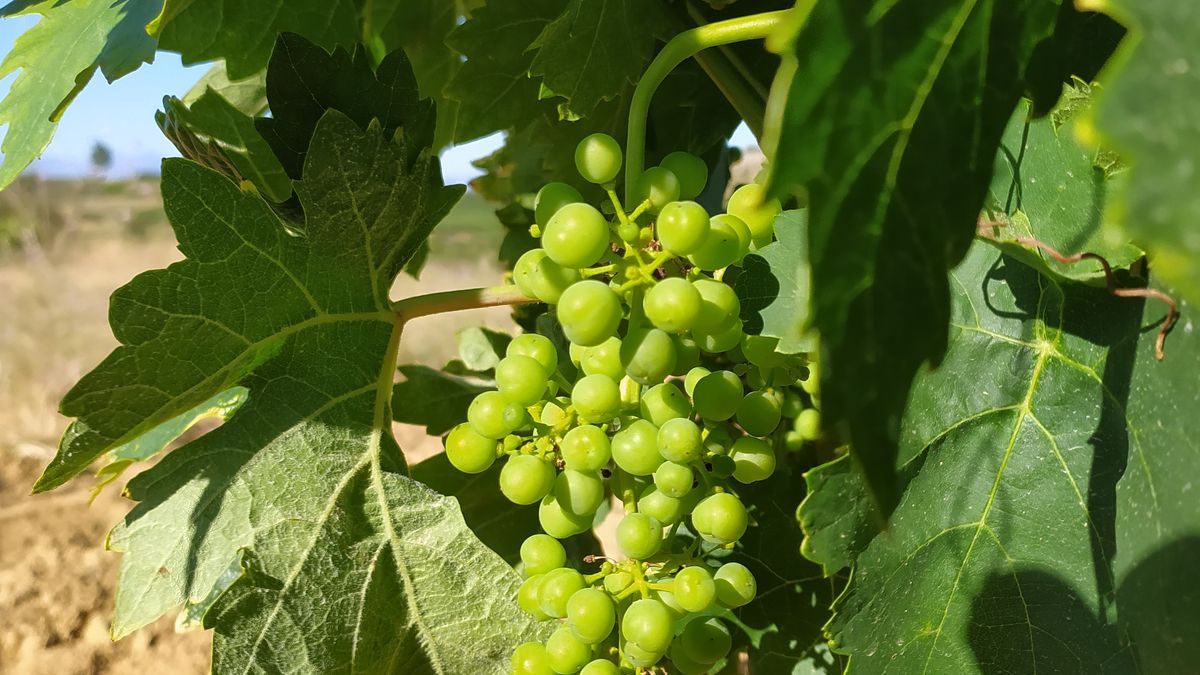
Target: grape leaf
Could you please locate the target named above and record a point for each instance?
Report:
(248, 95)
(56, 58)
(835, 515)
(492, 87)
(596, 47)
(434, 399)
(1050, 457)
(877, 92)
(774, 286)
(480, 349)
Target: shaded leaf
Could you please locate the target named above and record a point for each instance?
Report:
(249, 95)
(775, 285)
(434, 399)
(480, 349)
(835, 515)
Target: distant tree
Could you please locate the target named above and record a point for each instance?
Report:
(101, 158)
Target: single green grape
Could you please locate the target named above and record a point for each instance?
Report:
(718, 395)
(722, 247)
(557, 588)
(656, 504)
(663, 402)
(589, 312)
(739, 227)
(541, 278)
(679, 440)
(722, 340)
(759, 413)
(694, 588)
(735, 585)
(687, 354)
(617, 582)
(705, 640)
(596, 398)
(554, 412)
(672, 304)
(808, 424)
(811, 384)
(674, 479)
(659, 186)
(598, 158)
(537, 347)
(634, 448)
(685, 664)
(491, 415)
(565, 652)
(760, 350)
(753, 458)
(720, 518)
(600, 667)
(647, 623)
(577, 236)
(639, 536)
(719, 305)
(527, 597)
(749, 203)
(647, 355)
(578, 492)
(693, 377)
(530, 659)
(541, 553)
(691, 171)
(551, 198)
(635, 657)
(521, 379)
(603, 359)
(468, 451)
(585, 448)
(560, 523)
(682, 227)
(526, 479)
(591, 615)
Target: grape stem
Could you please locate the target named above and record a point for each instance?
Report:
(679, 49)
(454, 301)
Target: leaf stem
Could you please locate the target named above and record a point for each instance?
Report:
(453, 301)
(680, 47)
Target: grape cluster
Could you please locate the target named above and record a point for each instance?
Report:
(650, 406)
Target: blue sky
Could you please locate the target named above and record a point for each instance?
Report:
(122, 116)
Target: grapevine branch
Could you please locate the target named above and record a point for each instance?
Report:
(453, 301)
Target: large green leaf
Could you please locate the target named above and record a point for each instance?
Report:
(775, 285)
(57, 58)
(1047, 515)
(878, 92)
(1145, 111)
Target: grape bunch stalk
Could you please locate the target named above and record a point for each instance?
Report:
(652, 409)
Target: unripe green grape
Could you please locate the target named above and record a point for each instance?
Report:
(526, 479)
(656, 504)
(647, 623)
(667, 598)
(673, 479)
(808, 424)
(530, 659)
(672, 304)
(812, 383)
(541, 553)
(717, 396)
(551, 198)
(663, 402)
(554, 411)
(691, 171)
(639, 536)
(636, 657)
(585, 448)
(682, 227)
(560, 523)
(742, 231)
(634, 448)
(679, 440)
(579, 493)
(491, 415)
(760, 350)
(648, 355)
(705, 640)
(557, 588)
(720, 518)
(537, 347)
(793, 442)
(721, 248)
(750, 204)
(735, 585)
(723, 466)
(600, 667)
(603, 359)
(722, 340)
(468, 451)
(596, 398)
(753, 458)
(719, 304)
(521, 379)
(565, 652)
(598, 158)
(693, 588)
(591, 615)
(687, 354)
(617, 582)
(693, 377)
(759, 413)
(527, 597)
(589, 312)
(658, 185)
(540, 277)
(685, 664)
(576, 236)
